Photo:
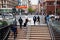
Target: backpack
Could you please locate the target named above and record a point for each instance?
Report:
(34, 18)
(24, 24)
(20, 20)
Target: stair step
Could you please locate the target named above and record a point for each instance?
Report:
(35, 33)
(39, 37)
(39, 33)
(16, 39)
(30, 39)
(39, 28)
(21, 34)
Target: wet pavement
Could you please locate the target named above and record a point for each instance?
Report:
(30, 17)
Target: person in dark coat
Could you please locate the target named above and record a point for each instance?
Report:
(14, 28)
(26, 21)
(46, 18)
(20, 22)
(38, 19)
(34, 19)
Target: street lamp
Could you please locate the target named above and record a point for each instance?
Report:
(42, 10)
(39, 6)
(14, 12)
(19, 3)
(42, 5)
(55, 3)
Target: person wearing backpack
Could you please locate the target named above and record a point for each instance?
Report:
(34, 19)
(38, 19)
(26, 21)
(20, 22)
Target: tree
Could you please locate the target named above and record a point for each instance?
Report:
(30, 10)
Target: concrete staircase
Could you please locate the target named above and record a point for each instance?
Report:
(39, 33)
(21, 35)
(32, 33)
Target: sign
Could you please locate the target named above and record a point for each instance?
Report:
(19, 7)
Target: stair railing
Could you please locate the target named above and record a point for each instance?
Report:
(4, 32)
(51, 31)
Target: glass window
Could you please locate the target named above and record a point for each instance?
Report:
(4, 6)
(58, 3)
(4, 1)
(50, 3)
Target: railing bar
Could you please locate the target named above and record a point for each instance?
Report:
(51, 32)
(6, 34)
(3, 27)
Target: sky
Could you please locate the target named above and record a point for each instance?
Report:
(34, 2)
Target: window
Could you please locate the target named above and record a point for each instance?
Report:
(58, 3)
(50, 3)
(4, 1)
(4, 6)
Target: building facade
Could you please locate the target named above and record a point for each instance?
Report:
(25, 3)
(35, 7)
(8, 3)
(41, 6)
(29, 4)
(50, 6)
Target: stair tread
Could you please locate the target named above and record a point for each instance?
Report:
(36, 33)
(40, 37)
(39, 33)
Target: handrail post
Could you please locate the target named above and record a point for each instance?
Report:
(51, 32)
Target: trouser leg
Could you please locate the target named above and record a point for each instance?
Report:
(15, 34)
(34, 22)
(20, 25)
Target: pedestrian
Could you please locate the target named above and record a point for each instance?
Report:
(26, 21)
(47, 18)
(20, 22)
(38, 19)
(14, 28)
(34, 19)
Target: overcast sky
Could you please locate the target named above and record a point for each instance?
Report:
(34, 2)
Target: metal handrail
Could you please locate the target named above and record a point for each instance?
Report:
(51, 31)
(56, 25)
(3, 27)
(6, 33)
